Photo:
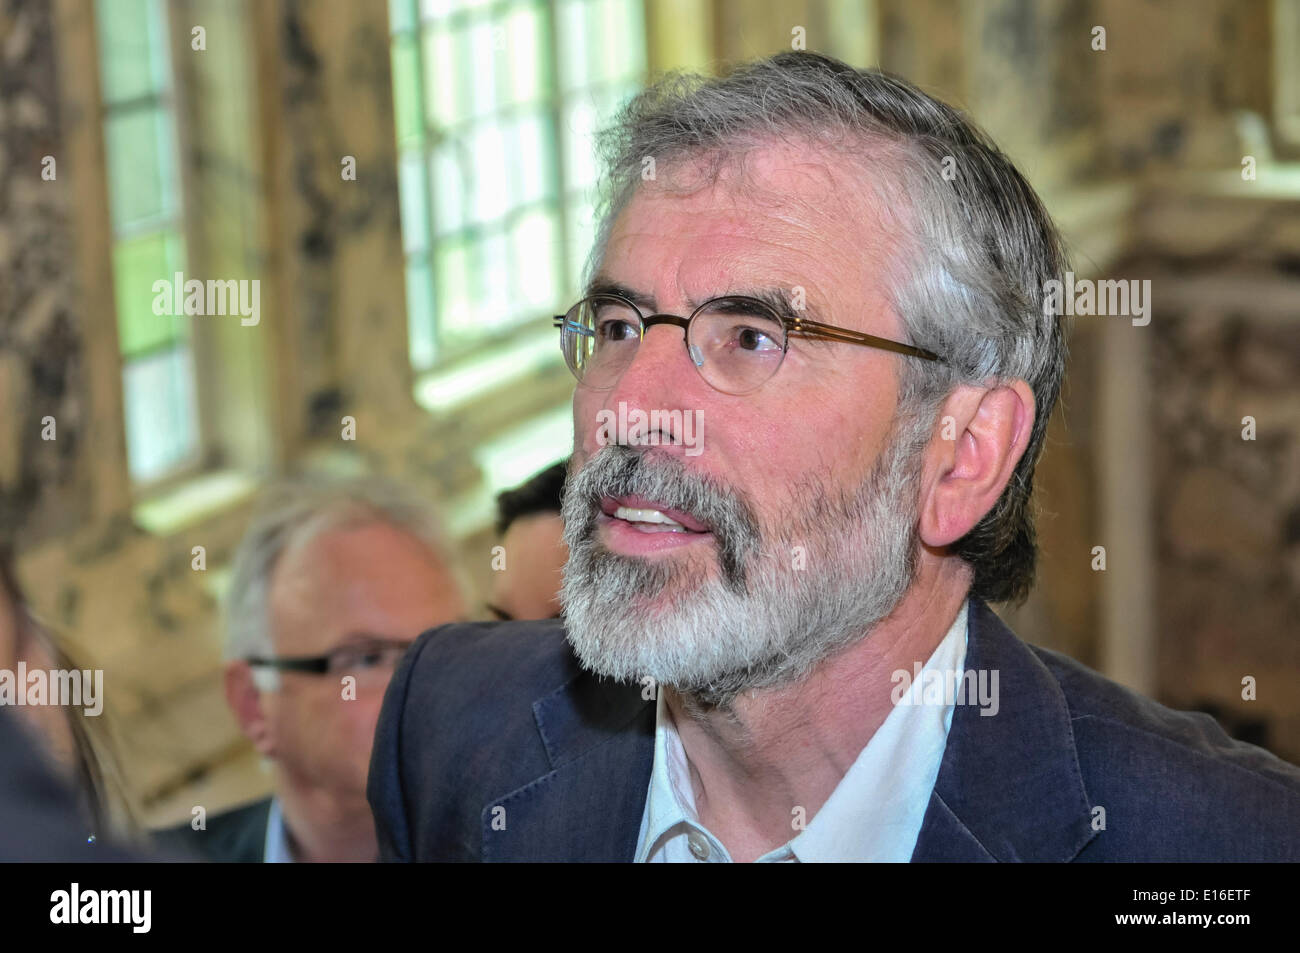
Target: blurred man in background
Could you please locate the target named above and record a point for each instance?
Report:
(330, 585)
(527, 585)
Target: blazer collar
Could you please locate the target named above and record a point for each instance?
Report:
(599, 741)
(1009, 785)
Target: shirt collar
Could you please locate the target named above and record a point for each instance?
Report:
(671, 800)
(874, 813)
(276, 849)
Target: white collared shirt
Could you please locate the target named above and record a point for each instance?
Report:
(874, 813)
(276, 850)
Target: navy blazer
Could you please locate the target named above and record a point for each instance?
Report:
(237, 836)
(494, 745)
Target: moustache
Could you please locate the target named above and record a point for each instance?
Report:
(617, 470)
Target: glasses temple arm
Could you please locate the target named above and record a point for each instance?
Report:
(827, 332)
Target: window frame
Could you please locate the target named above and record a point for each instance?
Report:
(560, 202)
(200, 456)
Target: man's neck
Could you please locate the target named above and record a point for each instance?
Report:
(787, 748)
(319, 829)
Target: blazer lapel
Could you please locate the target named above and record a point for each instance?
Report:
(1009, 786)
(599, 740)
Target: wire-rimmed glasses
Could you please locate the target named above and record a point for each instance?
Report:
(736, 342)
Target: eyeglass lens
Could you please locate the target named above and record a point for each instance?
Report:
(734, 343)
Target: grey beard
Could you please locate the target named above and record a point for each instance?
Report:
(763, 620)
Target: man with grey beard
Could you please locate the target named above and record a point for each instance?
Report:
(776, 645)
(760, 622)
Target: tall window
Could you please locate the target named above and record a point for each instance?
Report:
(145, 207)
(1286, 70)
(495, 104)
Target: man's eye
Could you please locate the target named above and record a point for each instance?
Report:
(616, 330)
(753, 339)
(351, 661)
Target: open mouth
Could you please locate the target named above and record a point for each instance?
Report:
(647, 516)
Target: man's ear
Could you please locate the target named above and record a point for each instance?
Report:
(246, 702)
(983, 433)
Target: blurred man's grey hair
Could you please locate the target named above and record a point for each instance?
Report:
(293, 513)
(977, 246)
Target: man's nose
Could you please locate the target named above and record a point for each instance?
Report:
(661, 364)
(660, 377)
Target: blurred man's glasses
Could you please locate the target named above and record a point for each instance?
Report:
(378, 654)
(735, 342)
(503, 616)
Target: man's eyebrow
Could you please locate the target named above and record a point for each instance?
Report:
(601, 285)
(779, 299)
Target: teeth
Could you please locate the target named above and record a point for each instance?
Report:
(645, 516)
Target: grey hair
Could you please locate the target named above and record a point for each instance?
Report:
(294, 512)
(978, 244)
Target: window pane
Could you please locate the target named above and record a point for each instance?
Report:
(440, 8)
(618, 50)
(533, 151)
(419, 310)
(494, 282)
(159, 401)
(402, 15)
(441, 88)
(601, 58)
(455, 302)
(525, 42)
(629, 25)
(132, 49)
(140, 173)
(408, 112)
(636, 38)
(479, 65)
(491, 177)
(578, 213)
(432, 9)
(571, 24)
(579, 151)
(450, 186)
(533, 247)
(412, 191)
(137, 264)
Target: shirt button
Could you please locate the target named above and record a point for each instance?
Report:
(698, 845)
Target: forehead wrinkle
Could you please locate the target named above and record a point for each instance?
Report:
(738, 279)
(795, 235)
